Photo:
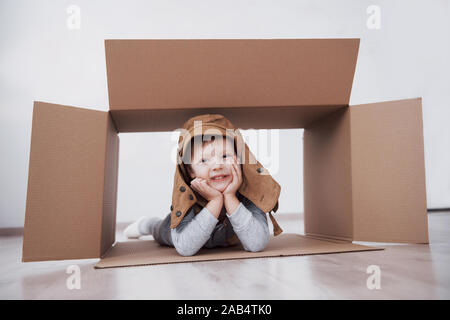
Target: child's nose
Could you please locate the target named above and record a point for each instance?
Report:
(218, 161)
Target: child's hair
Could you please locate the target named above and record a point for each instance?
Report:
(204, 139)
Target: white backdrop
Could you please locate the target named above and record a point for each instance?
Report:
(48, 54)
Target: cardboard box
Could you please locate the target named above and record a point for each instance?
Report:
(364, 172)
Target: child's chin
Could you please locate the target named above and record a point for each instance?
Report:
(221, 188)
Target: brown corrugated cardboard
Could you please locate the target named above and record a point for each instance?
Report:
(388, 172)
(327, 177)
(210, 73)
(151, 81)
(148, 252)
(243, 117)
(367, 161)
(70, 211)
(364, 175)
(110, 186)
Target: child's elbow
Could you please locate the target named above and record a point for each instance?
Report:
(260, 246)
(185, 251)
(257, 248)
(182, 246)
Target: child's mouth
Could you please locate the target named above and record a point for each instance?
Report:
(220, 178)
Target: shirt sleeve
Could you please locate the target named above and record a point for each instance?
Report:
(193, 232)
(250, 225)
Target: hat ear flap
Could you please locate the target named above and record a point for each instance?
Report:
(183, 197)
(258, 185)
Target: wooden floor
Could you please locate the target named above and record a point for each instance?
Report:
(407, 272)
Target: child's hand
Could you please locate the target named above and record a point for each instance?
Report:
(206, 191)
(237, 179)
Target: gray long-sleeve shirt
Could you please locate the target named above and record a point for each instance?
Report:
(201, 230)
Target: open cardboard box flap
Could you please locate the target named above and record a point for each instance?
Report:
(364, 172)
(148, 252)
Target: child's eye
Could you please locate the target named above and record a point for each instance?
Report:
(204, 160)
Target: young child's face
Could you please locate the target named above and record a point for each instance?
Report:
(213, 162)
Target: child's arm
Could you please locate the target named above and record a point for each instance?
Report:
(250, 225)
(195, 230)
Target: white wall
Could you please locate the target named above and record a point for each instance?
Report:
(42, 59)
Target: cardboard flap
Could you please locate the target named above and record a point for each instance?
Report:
(388, 172)
(149, 252)
(327, 177)
(212, 73)
(244, 117)
(70, 211)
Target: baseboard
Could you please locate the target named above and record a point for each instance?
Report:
(438, 209)
(11, 231)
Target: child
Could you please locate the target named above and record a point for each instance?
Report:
(215, 202)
